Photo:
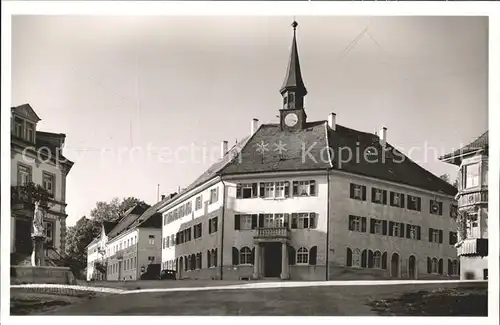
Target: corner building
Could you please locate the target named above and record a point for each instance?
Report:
(286, 202)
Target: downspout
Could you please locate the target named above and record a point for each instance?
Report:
(222, 226)
(327, 220)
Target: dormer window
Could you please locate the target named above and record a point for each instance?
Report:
(30, 132)
(24, 129)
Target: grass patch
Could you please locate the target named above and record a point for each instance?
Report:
(439, 302)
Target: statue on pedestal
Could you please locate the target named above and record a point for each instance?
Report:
(38, 236)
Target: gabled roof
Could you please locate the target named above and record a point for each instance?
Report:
(456, 156)
(26, 111)
(127, 219)
(149, 218)
(261, 153)
(394, 167)
(108, 226)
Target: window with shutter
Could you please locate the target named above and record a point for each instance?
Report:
(384, 261)
(370, 259)
(349, 257)
(312, 187)
(295, 188)
(363, 224)
(287, 189)
(254, 221)
(429, 265)
(364, 258)
(313, 252)
(235, 256)
(237, 221)
(294, 220)
(291, 255)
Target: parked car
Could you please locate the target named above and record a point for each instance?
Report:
(168, 275)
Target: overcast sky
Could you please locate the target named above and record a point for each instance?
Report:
(182, 82)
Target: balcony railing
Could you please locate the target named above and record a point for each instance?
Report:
(273, 233)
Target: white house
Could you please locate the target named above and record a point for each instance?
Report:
(288, 201)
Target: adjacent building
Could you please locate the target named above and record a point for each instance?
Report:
(36, 159)
(126, 247)
(310, 200)
(472, 219)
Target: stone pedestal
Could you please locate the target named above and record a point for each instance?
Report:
(38, 255)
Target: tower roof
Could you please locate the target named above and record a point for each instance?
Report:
(293, 78)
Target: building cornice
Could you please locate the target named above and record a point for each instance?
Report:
(189, 194)
(22, 148)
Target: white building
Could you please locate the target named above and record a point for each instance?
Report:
(286, 202)
(126, 248)
(37, 158)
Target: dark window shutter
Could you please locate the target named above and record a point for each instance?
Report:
(384, 196)
(402, 230)
(384, 227)
(291, 255)
(407, 231)
(349, 257)
(418, 232)
(372, 222)
(235, 256)
(430, 207)
(402, 200)
(351, 225)
(370, 259)
(351, 191)
(430, 234)
(364, 192)
(429, 265)
(441, 266)
(450, 241)
(306, 223)
(238, 191)
(295, 188)
(287, 189)
(254, 221)
(209, 226)
(374, 190)
(254, 189)
(286, 221)
(391, 198)
(440, 236)
(391, 228)
(384, 261)
(294, 221)
(261, 220)
(440, 208)
(312, 187)
(419, 204)
(312, 255)
(363, 258)
(312, 220)
(215, 258)
(237, 218)
(253, 256)
(261, 189)
(363, 224)
(209, 264)
(450, 268)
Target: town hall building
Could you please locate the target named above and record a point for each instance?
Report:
(287, 202)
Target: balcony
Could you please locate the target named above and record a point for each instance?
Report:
(272, 234)
(473, 247)
(21, 199)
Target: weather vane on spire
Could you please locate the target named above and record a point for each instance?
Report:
(294, 24)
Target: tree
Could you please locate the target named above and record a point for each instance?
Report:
(86, 229)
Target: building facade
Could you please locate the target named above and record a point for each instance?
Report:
(126, 248)
(290, 202)
(37, 160)
(472, 218)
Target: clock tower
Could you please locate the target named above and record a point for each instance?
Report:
(292, 115)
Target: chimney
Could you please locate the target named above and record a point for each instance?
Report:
(163, 197)
(254, 126)
(383, 136)
(223, 149)
(332, 121)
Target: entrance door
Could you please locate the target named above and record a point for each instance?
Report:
(411, 267)
(272, 260)
(23, 236)
(395, 265)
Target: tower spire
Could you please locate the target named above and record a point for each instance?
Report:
(293, 84)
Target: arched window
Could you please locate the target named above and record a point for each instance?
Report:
(198, 261)
(453, 268)
(187, 263)
(193, 261)
(377, 260)
(435, 265)
(245, 256)
(356, 258)
(214, 257)
(302, 256)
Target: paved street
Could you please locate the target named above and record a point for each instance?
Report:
(302, 301)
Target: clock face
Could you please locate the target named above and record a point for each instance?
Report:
(291, 119)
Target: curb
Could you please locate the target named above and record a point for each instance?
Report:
(61, 289)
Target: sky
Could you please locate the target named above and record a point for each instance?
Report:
(140, 98)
